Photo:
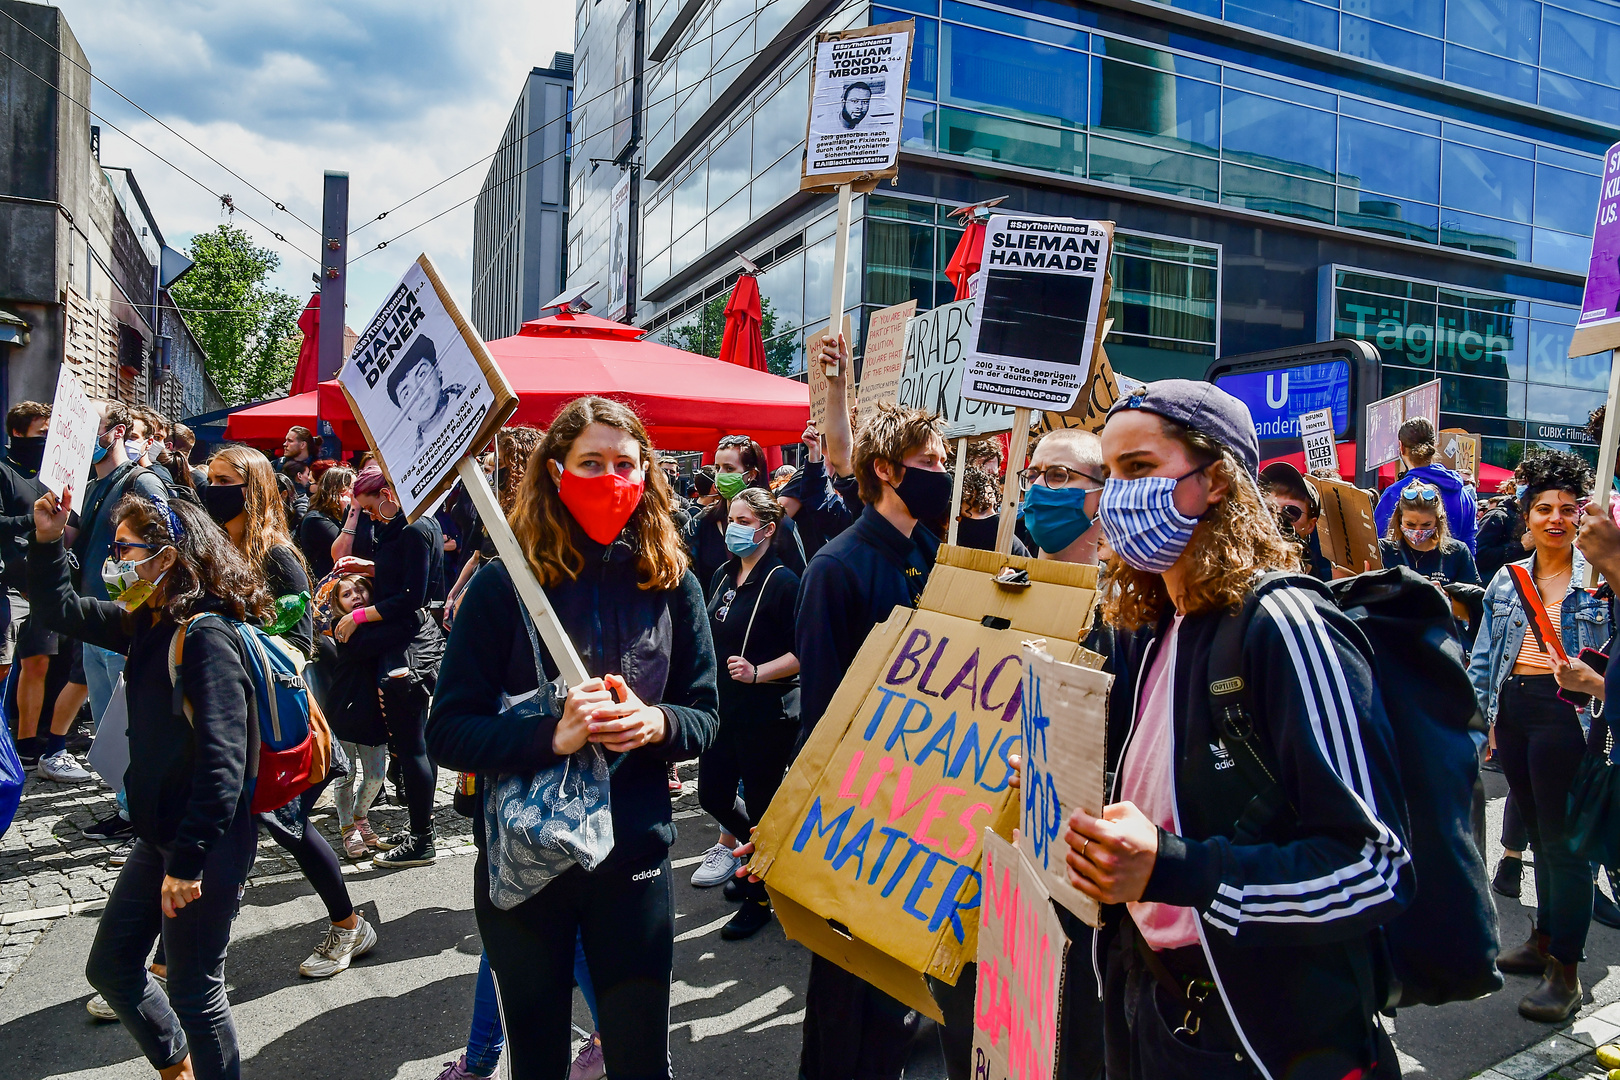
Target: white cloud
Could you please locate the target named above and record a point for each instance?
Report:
(399, 95)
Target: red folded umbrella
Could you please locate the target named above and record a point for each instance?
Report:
(743, 344)
(308, 371)
(965, 259)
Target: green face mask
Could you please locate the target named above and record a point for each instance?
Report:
(730, 484)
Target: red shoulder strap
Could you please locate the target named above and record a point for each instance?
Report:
(1540, 623)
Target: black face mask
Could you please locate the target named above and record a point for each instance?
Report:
(927, 495)
(28, 452)
(224, 503)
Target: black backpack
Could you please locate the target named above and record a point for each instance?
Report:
(1443, 947)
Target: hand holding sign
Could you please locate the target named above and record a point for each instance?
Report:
(1111, 858)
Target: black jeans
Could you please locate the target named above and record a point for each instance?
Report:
(405, 710)
(1539, 741)
(625, 917)
(852, 1030)
(755, 752)
(193, 1017)
(291, 829)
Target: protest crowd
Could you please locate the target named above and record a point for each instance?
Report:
(1292, 746)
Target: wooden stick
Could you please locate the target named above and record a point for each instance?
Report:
(840, 264)
(1009, 487)
(956, 489)
(1606, 452)
(490, 513)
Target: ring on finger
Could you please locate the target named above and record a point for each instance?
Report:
(1083, 844)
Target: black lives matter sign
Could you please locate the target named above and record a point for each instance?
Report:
(1040, 288)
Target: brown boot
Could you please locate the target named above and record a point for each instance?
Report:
(1557, 998)
(1528, 959)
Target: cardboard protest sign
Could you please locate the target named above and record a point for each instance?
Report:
(1459, 451)
(1064, 718)
(1022, 954)
(1386, 415)
(884, 355)
(820, 388)
(423, 387)
(871, 848)
(1316, 433)
(71, 438)
(1041, 289)
(1598, 327)
(931, 377)
(857, 92)
(1090, 411)
(1347, 529)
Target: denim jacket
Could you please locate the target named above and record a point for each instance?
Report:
(1584, 624)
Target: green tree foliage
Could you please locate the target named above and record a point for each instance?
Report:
(704, 333)
(248, 329)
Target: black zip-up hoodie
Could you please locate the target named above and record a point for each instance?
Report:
(185, 784)
(658, 640)
(1286, 926)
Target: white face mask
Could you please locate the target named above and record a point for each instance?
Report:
(124, 583)
(134, 448)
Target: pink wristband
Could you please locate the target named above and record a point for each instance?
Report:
(360, 615)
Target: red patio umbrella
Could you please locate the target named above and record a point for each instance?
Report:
(308, 371)
(268, 422)
(687, 401)
(742, 344)
(965, 259)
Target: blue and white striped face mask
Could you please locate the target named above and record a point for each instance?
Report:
(1141, 522)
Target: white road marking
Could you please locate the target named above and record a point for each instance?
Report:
(680, 993)
(740, 1017)
(706, 928)
(785, 1020)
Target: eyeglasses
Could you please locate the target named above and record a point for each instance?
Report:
(1420, 493)
(1056, 477)
(725, 605)
(121, 550)
(1291, 512)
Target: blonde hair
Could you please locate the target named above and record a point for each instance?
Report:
(266, 516)
(1237, 540)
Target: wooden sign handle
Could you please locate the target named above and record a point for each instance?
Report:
(1606, 452)
(956, 489)
(551, 632)
(1009, 488)
(840, 264)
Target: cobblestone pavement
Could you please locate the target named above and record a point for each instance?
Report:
(48, 869)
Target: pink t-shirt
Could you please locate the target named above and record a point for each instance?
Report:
(1146, 778)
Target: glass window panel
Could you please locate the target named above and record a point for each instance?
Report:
(1013, 24)
(729, 219)
(989, 138)
(1399, 288)
(692, 61)
(1158, 59)
(1510, 28)
(1490, 73)
(655, 271)
(1371, 212)
(1203, 7)
(818, 282)
(779, 126)
(1553, 313)
(1580, 97)
(1390, 45)
(1275, 193)
(728, 166)
(1277, 88)
(655, 226)
(689, 203)
(924, 50)
(1488, 236)
(901, 209)
(1146, 103)
(1591, 372)
(1388, 323)
(1581, 46)
(1560, 404)
(917, 124)
(1424, 16)
(921, 7)
(1367, 110)
(1153, 169)
(776, 184)
(690, 105)
(899, 263)
(1162, 301)
(1563, 250)
(1486, 182)
(1476, 341)
(1549, 354)
(1487, 140)
(1485, 397)
(1383, 159)
(1288, 18)
(1012, 75)
(1277, 135)
(783, 287)
(1061, 10)
(944, 248)
(1582, 163)
(1173, 250)
(686, 249)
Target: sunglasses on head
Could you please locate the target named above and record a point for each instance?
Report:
(1414, 493)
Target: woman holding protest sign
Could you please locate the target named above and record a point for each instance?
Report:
(1526, 670)
(751, 615)
(187, 779)
(593, 518)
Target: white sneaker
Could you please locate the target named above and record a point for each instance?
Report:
(97, 1007)
(62, 767)
(719, 864)
(337, 948)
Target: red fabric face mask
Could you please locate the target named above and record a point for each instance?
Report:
(601, 504)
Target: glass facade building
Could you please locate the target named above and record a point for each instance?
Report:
(1281, 171)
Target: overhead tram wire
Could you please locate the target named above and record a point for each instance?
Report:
(847, 5)
(222, 199)
(236, 175)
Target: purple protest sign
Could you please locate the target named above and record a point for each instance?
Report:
(1598, 328)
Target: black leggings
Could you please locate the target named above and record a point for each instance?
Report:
(755, 752)
(313, 854)
(624, 916)
(1538, 738)
(405, 712)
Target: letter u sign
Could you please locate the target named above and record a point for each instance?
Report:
(1274, 398)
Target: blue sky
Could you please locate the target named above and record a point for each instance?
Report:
(398, 94)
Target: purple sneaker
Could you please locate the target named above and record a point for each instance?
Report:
(589, 1065)
(457, 1070)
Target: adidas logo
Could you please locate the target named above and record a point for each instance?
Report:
(1223, 756)
(647, 875)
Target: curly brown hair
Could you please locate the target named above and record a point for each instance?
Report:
(1237, 540)
(514, 446)
(209, 565)
(544, 526)
(327, 497)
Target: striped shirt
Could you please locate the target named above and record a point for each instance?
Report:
(1532, 655)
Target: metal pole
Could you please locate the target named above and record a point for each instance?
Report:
(334, 288)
